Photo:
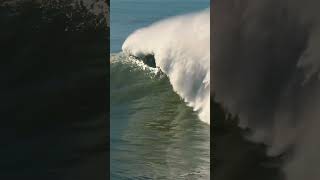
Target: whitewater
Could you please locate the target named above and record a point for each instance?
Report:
(266, 71)
(181, 49)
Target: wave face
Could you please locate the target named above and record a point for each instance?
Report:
(154, 135)
(181, 48)
(266, 70)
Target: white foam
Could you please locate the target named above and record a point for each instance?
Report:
(181, 47)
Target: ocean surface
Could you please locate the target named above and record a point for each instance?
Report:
(156, 130)
(53, 95)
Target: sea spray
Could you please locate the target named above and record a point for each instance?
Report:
(266, 71)
(181, 48)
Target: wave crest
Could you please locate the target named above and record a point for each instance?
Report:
(181, 48)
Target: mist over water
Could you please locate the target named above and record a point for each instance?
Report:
(266, 71)
(181, 48)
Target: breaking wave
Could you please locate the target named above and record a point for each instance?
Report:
(181, 49)
(266, 71)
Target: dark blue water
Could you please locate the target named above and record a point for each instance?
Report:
(53, 92)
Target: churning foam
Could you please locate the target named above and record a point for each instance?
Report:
(266, 71)
(181, 47)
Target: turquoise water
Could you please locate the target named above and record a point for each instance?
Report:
(129, 15)
(154, 134)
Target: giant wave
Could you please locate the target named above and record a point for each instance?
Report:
(181, 49)
(266, 71)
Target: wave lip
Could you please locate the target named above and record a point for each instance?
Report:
(181, 49)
